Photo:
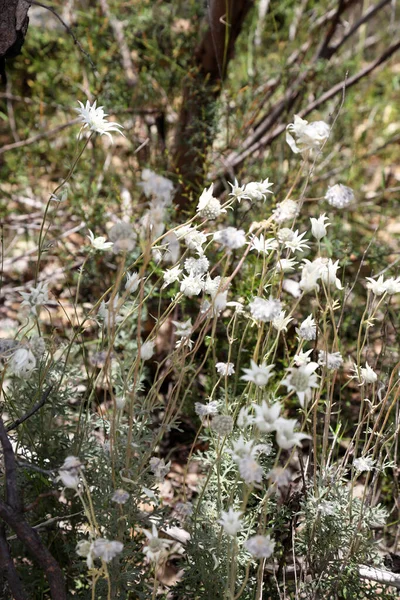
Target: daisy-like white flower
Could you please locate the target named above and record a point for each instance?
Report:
(365, 374)
(280, 323)
(266, 416)
(297, 244)
(171, 275)
(106, 549)
(183, 329)
(265, 310)
(157, 548)
(225, 369)
(309, 136)
(258, 190)
(132, 282)
(36, 297)
(339, 196)
(286, 437)
(260, 375)
(209, 207)
(93, 118)
(302, 380)
(99, 243)
(147, 350)
(120, 496)
(231, 238)
(285, 265)
(260, 546)
(330, 360)
(310, 275)
(328, 270)
(230, 521)
(242, 448)
(250, 471)
(238, 192)
(308, 329)
(302, 358)
(263, 245)
(287, 210)
(318, 227)
(364, 463)
(22, 363)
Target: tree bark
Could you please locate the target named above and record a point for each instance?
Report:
(202, 86)
(13, 27)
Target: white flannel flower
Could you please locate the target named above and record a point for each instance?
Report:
(105, 549)
(263, 245)
(260, 375)
(284, 234)
(222, 425)
(328, 271)
(225, 369)
(297, 244)
(244, 418)
(339, 196)
(123, 236)
(242, 448)
(191, 285)
(266, 416)
(330, 360)
(377, 286)
(260, 546)
(99, 243)
(193, 238)
(183, 329)
(83, 548)
(286, 437)
(209, 207)
(171, 275)
(310, 274)
(69, 472)
(22, 363)
(292, 287)
(309, 136)
(157, 186)
(364, 463)
(159, 468)
(392, 285)
(238, 192)
(365, 374)
(157, 548)
(206, 410)
(265, 310)
(250, 471)
(280, 323)
(120, 496)
(285, 265)
(231, 238)
(132, 282)
(302, 358)
(230, 521)
(93, 118)
(197, 266)
(302, 380)
(287, 210)
(36, 297)
(318, 227)
(308, 329)
(211, 286)
(146, 350)
(258, 190)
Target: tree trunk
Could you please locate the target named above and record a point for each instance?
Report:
(202, 86)
(13, 27)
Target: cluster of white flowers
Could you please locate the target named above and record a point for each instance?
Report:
(101, 548)
(309, 136)
(255, 190)
(381, 286)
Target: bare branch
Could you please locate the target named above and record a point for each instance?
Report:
(118, 31)
(32, 411)
(8, 570)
